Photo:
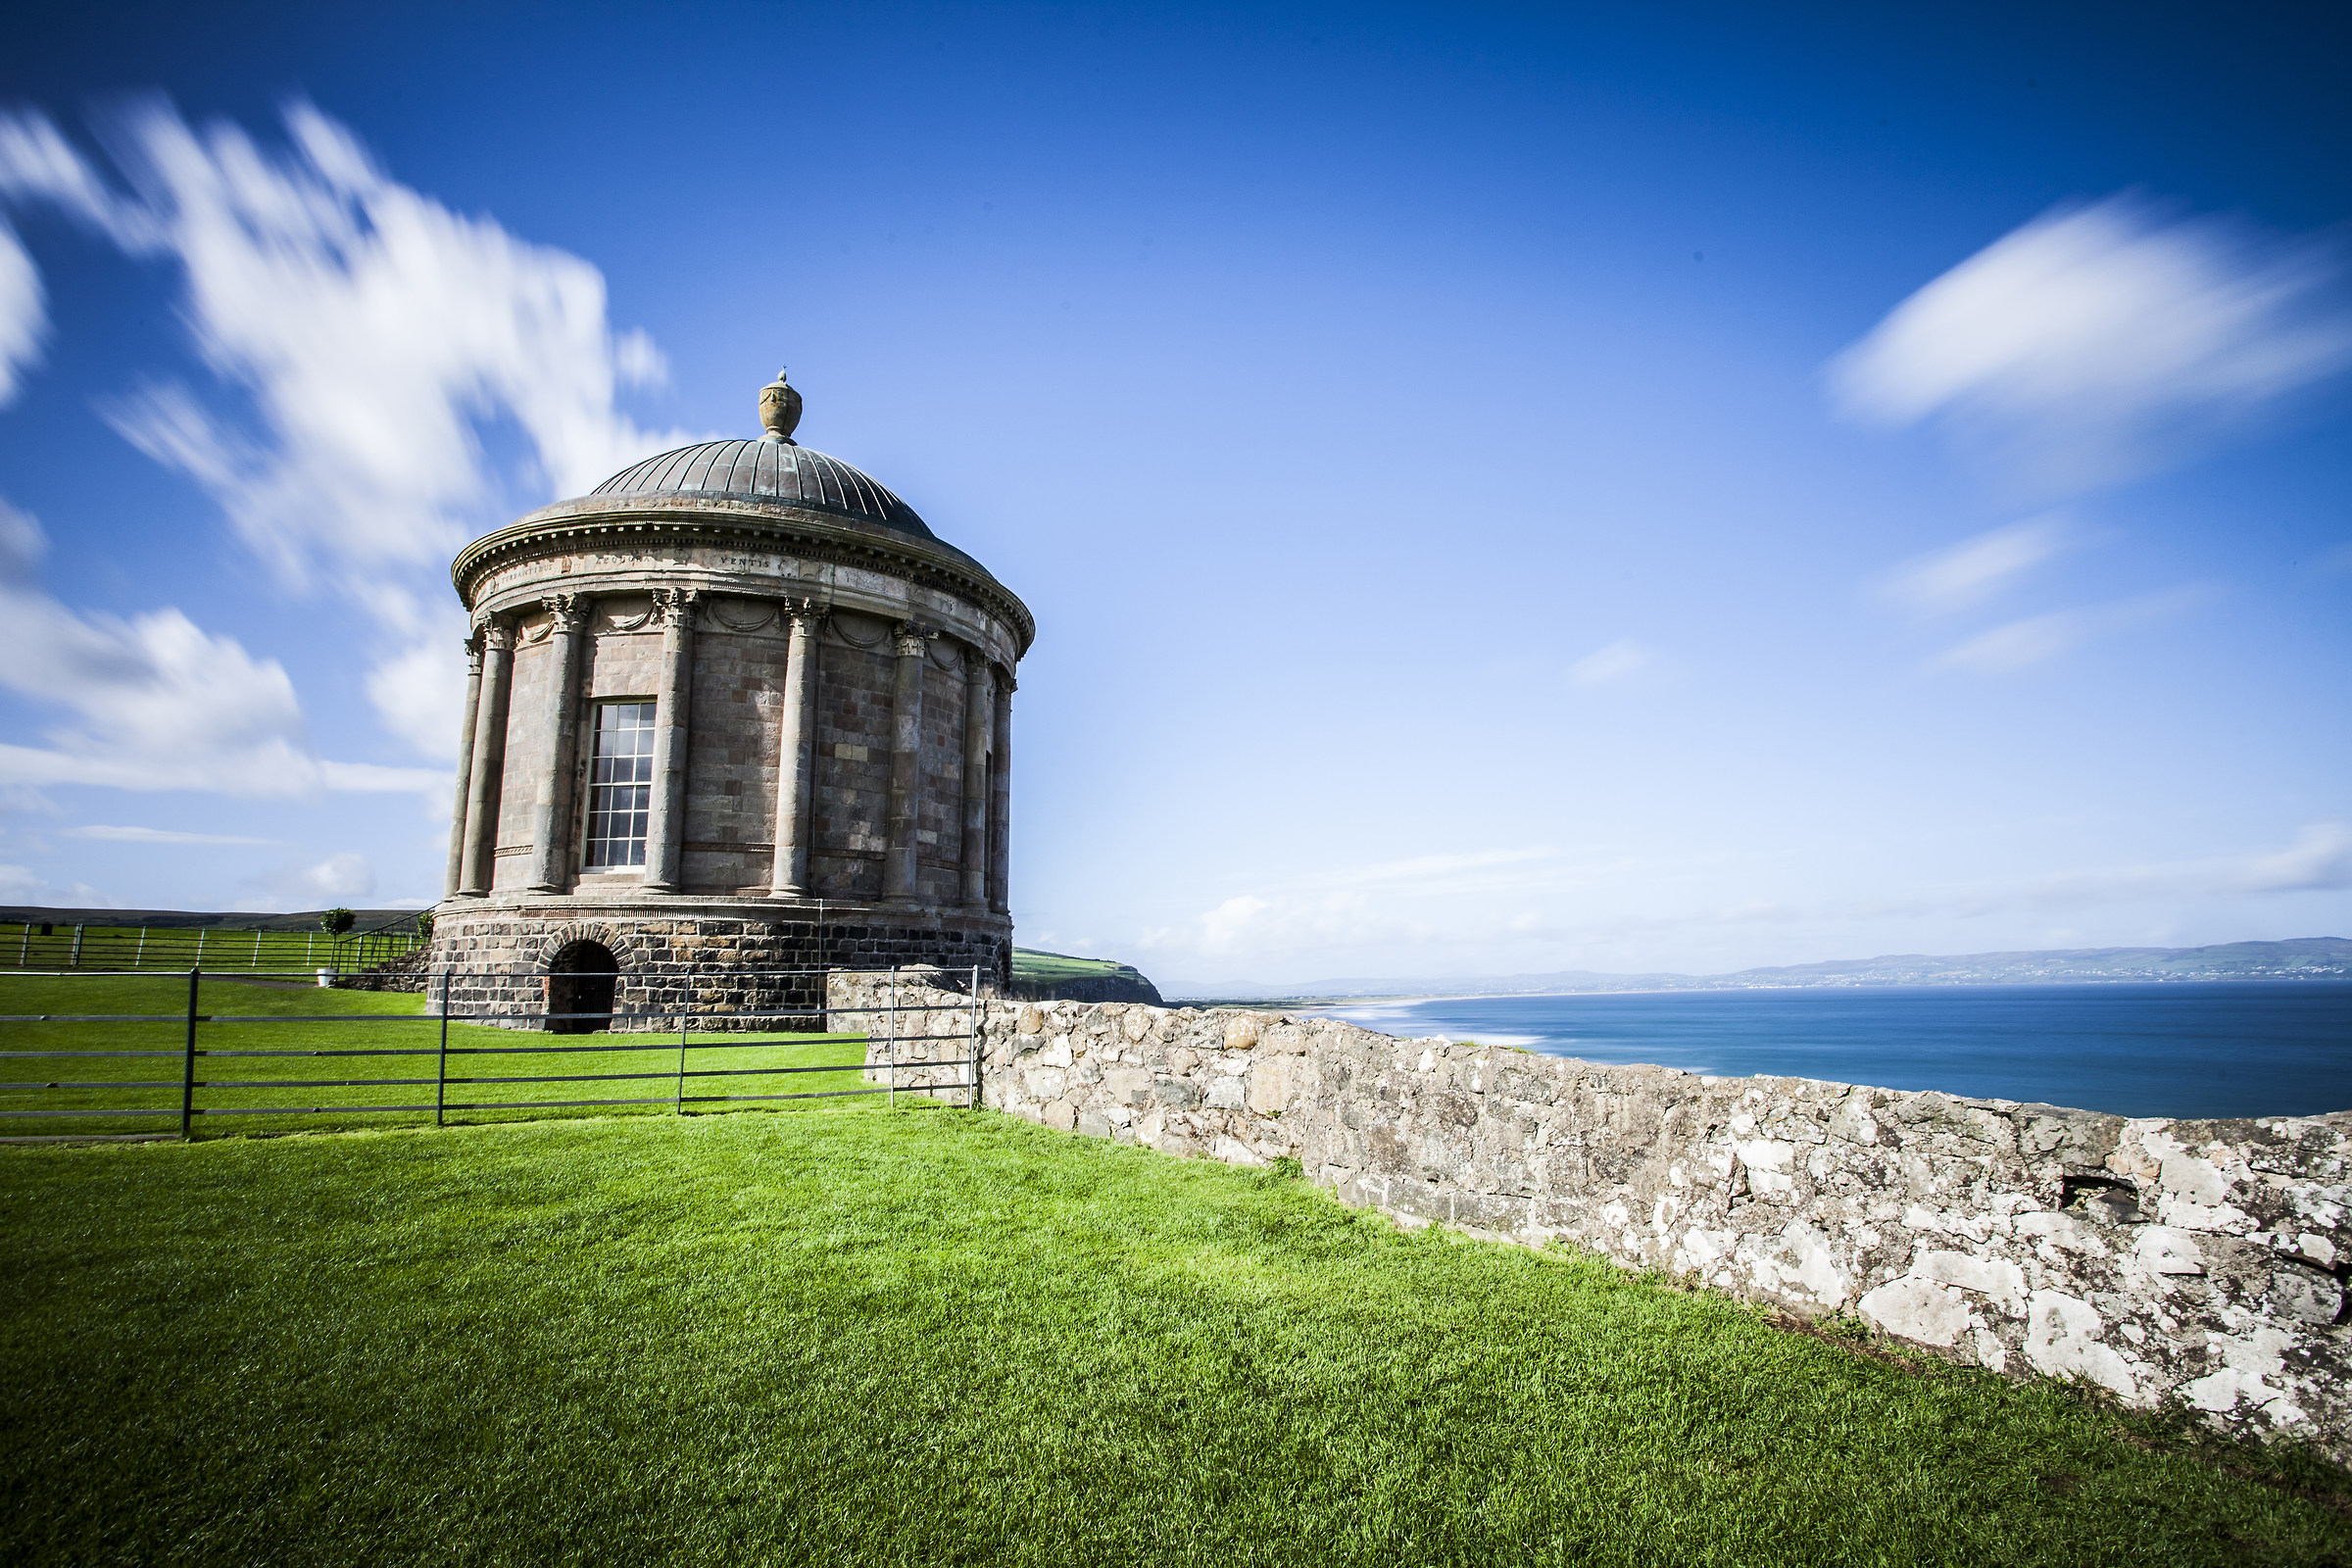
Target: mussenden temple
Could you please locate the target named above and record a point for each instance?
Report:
(735, 711)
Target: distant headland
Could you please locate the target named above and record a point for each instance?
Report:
(2299, 958)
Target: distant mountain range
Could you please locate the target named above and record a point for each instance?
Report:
(2303, 958)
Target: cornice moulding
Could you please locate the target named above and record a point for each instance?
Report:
(591, 523)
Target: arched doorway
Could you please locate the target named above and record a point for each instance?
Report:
(579, 982)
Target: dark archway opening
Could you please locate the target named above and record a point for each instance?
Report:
(579, 983)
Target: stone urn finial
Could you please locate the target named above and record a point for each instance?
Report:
(779, 410)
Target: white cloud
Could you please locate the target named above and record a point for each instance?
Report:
(24, 315)
(156, 835)
(1616, 662)
(339, 879)
(21, 884)
(2037, 639)
(419, 691)
(2319, 860)
(1975, 570)
(2100, 342)
(156, 702)
(366, 331)
(371, 328)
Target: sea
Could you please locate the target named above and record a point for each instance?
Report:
(2187, 1049)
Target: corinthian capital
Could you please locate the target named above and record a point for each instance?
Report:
(677, 604)
(911, 639)
(804, 613)
(565, 611)
(497, 636)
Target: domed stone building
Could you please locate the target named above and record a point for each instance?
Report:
(736, 710)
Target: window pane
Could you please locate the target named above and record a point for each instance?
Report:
(620, 778)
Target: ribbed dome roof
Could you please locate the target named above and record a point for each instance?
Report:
(767, 470)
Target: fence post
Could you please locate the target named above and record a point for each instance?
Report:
(441, 1073)
(201, 933)
(685, 1015)
(140, 962)
(25, 949)
(257, 946)
(78, 947)
(187, 1071)
(975, 1105)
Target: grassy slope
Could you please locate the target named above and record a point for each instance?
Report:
(1029, 965)
(595, 1056)
(938, 1336)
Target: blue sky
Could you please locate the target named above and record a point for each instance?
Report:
(1502, 488)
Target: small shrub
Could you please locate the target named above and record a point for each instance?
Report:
(1287, 1167)
(335, 922)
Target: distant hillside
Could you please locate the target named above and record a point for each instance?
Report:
(2302, 959)
(1056, 976)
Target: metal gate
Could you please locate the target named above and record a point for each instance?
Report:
(206, 1042)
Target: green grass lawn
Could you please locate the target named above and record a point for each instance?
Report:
(213, 948)
(251, 1017)
(942, 1336)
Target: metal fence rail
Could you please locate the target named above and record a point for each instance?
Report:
(32, 946)
(190, 1053)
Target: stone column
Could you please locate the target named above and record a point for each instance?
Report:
(1000, 802)
(488, 762)
(899, 881)
(795, 754)
(551, 807)
(979, 718)
(666, 823)
(456, 875)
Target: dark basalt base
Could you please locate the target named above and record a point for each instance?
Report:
(497, 956)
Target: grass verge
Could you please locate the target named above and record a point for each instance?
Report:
(955, 1338)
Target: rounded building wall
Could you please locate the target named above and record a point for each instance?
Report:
(821, 712)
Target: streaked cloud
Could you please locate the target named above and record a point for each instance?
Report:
(1613, 663)
(156, 702)
(2100, 342)
(24, 315)
(156, 835)
(359, 333)
(2021, 645)
(1976, 569)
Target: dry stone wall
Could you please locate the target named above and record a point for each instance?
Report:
(2203, 1263)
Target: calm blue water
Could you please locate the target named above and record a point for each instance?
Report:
(2204, 1048)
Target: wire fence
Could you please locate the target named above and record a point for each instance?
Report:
(243, 1044)
(51, 945)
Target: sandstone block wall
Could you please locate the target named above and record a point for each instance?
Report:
(496, 957)
(2199, 1261)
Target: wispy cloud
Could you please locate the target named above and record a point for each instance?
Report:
(24, 315)
(1613, 663)
(345, 878)
(366, 331)
(2318, 861)
(1976, 569)
(2021, 645)
(156, 702)
(19, 884)
(156, 835)
(2100, 342)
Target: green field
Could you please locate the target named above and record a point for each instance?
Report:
(211, 948)
(246, 1016)
(947, 1336)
